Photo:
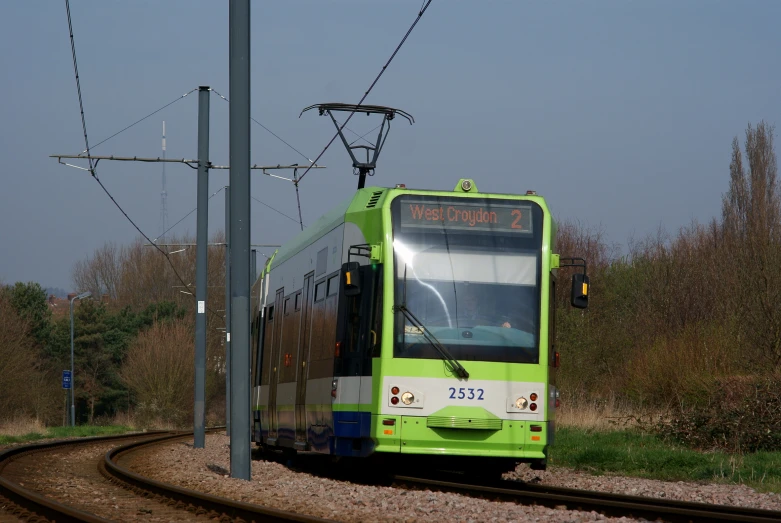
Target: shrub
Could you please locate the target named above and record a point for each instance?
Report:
(741, 414)
(159, 371)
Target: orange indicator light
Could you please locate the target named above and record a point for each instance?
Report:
(394, 390)
(535, 438)
(388, 432)
(533, 396)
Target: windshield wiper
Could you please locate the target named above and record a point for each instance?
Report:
(452, 362)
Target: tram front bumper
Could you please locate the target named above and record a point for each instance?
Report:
(422, 435)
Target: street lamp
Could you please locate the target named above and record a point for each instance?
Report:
(73, 382)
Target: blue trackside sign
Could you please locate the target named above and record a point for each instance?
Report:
(66, 379)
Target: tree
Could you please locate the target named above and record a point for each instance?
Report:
(751, 213)
(159, 370)
(101, 342)
(29, 300)
(29, 385)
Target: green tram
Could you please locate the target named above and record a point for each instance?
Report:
(411, 322)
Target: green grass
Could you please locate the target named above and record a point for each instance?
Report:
(632, 453)
(64, 432)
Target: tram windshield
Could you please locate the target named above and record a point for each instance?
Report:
(469, 270)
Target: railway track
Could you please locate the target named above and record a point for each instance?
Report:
(18, 492)
(167, 502)
(616, 505)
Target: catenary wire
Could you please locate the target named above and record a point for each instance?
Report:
(305, 157)
(94, 165)
(142, 119)
(78, 85)
(275, 135)
(275, 210)
(188, 214)
(384, 68)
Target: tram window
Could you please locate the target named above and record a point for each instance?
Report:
(333, 285)
(286, 308)
(271, 313)
(320, 291)
(298, 301)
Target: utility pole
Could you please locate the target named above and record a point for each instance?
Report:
(240, 200)
(201, 261)
(73, 382)
(239, 74)
(227, 311)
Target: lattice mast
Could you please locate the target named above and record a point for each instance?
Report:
(163, 196)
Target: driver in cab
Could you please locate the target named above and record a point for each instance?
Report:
(471, 313)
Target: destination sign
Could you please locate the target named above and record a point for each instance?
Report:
(482, 216)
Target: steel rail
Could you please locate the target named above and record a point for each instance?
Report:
(201, 502)
(28, 502)
(609, 504)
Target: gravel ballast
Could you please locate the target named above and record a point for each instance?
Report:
(276, 486)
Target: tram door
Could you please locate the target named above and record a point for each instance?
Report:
(276, 351)
(303, 356)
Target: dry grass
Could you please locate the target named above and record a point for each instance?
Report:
(601, 415)
(21, 426)
(125, 419)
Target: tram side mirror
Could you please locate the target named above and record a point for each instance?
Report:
(579, 296)
(352, 283)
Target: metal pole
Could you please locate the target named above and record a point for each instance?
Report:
(201, 260)
(239, 78)
(73, 382)
(253, 267)
(227, 312)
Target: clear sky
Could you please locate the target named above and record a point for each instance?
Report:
(620, 113)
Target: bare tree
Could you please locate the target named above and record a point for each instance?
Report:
(101, 274)
(159, 371)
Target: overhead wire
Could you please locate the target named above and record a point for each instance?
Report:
(300, 220)
(423, 9)
(275, 210)
(275, 135)
(142, 119)
(188, 214)
(93, 166)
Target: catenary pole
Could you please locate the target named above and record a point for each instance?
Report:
(239, 78)
(227, 312)
(201, 260)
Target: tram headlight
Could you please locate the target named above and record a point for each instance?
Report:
(407, 398)
(521, 403)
